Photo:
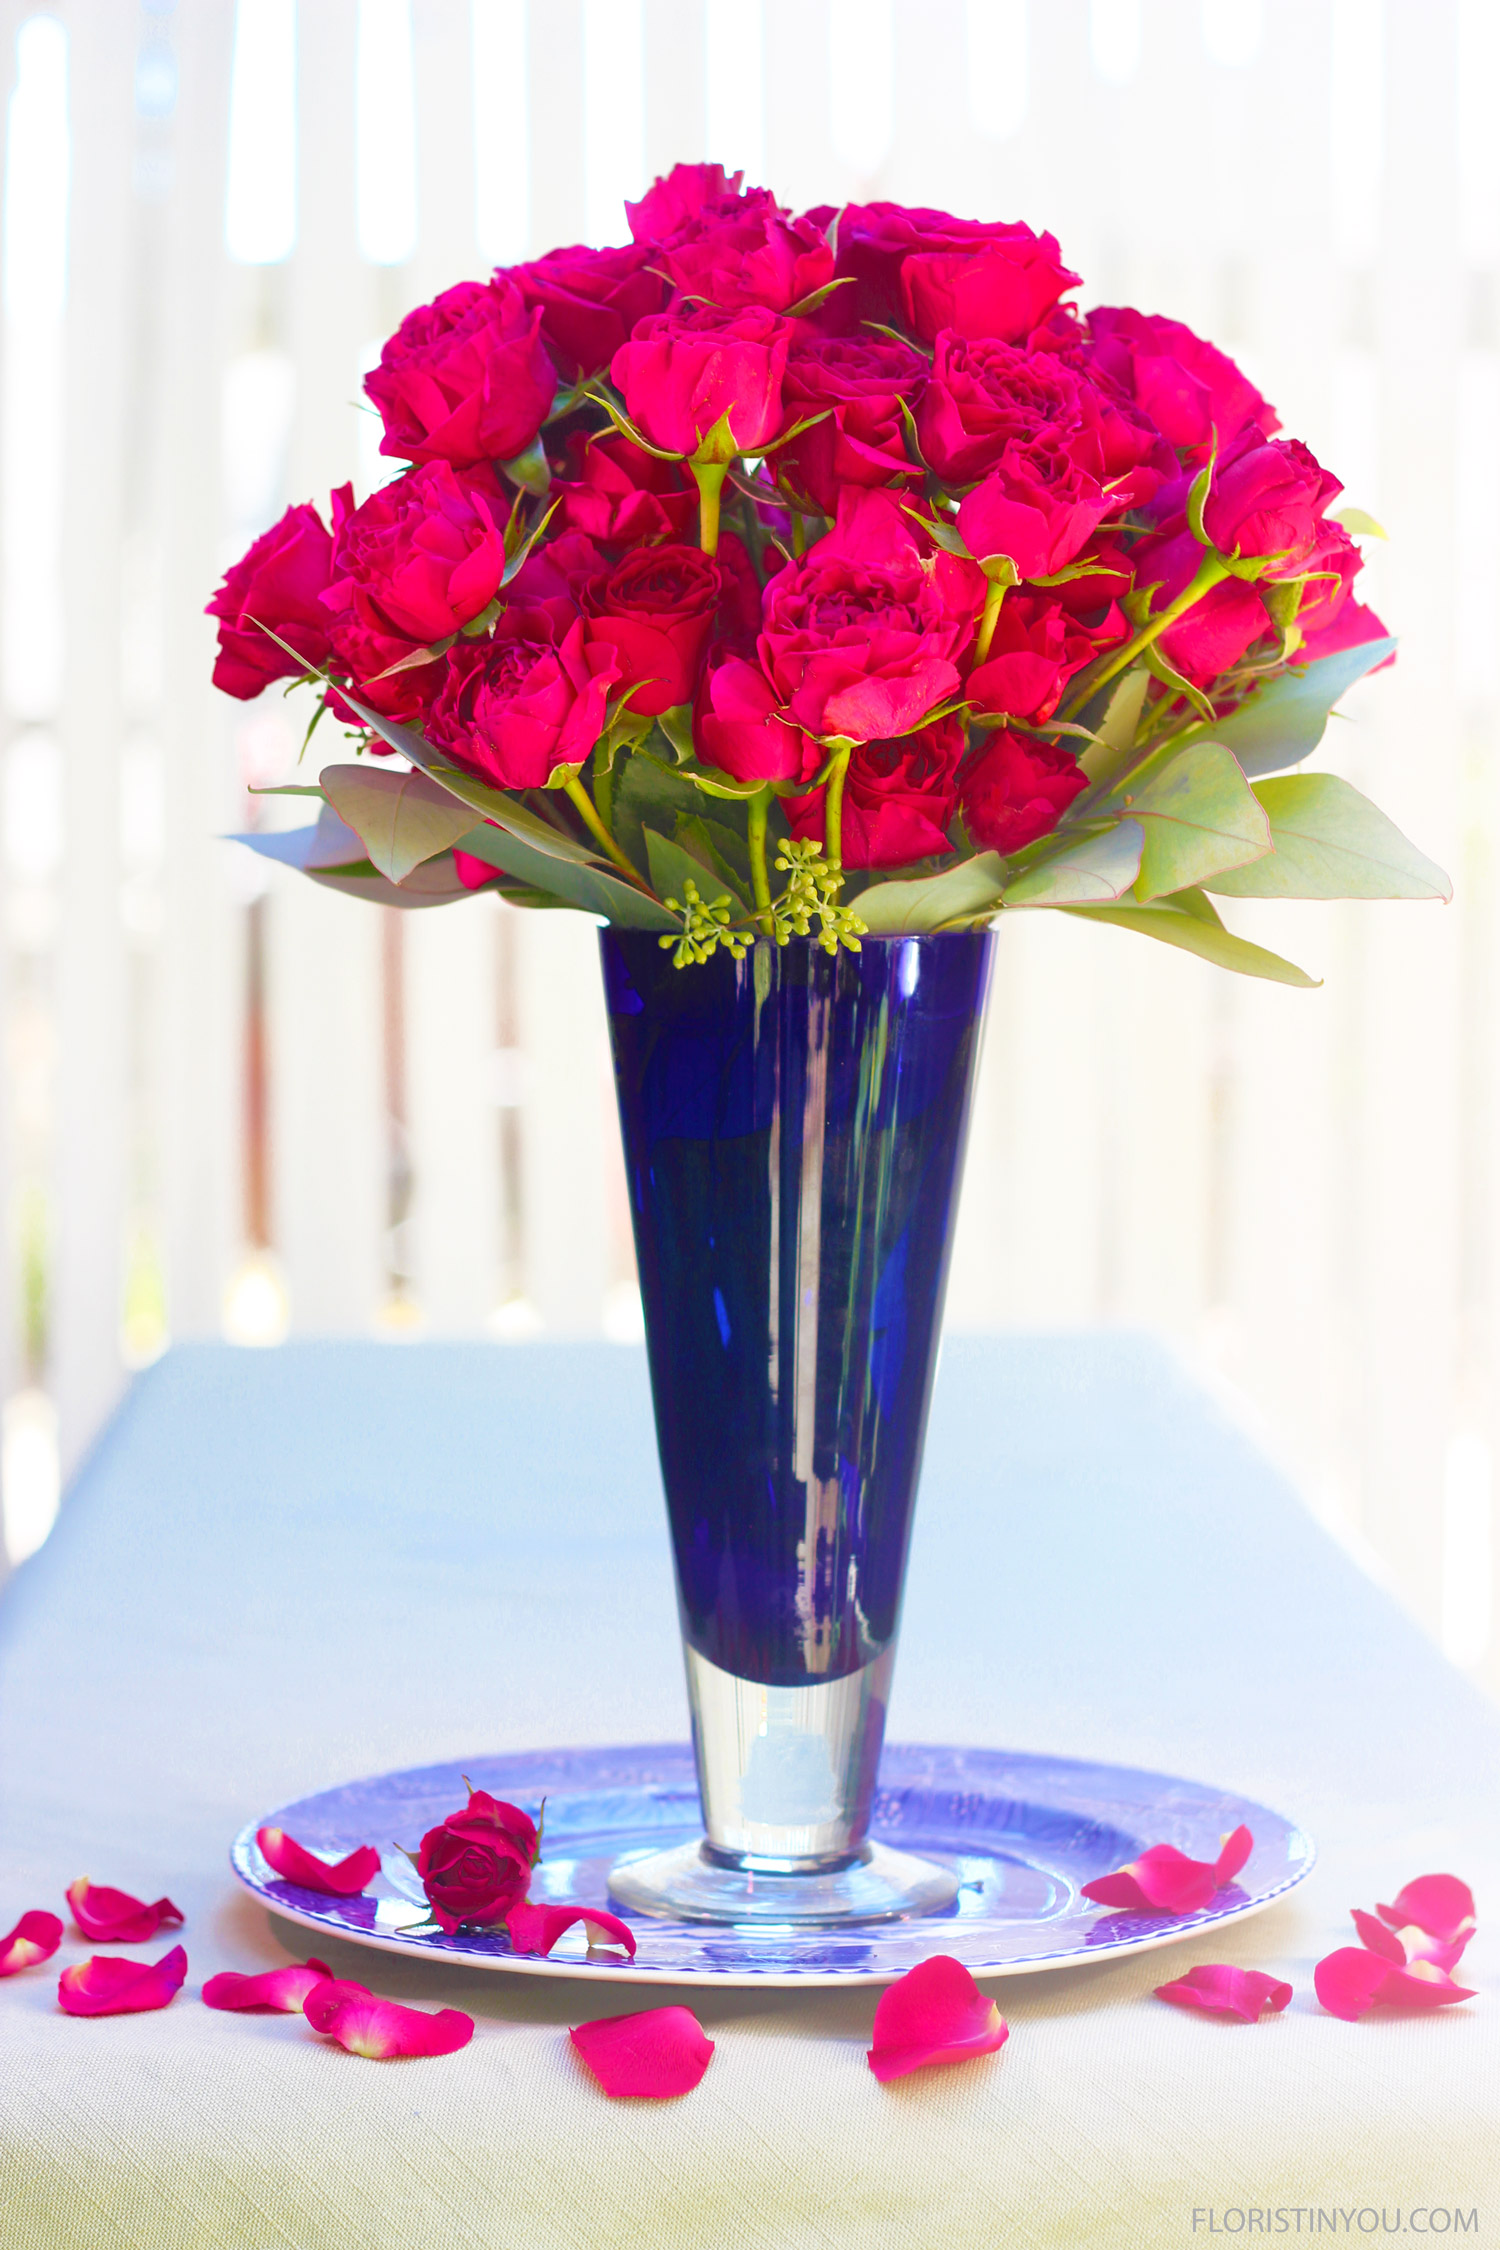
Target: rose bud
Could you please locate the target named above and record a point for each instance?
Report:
(513, 707)
(856, 384)
(475, 1866)
(898, 799)
(589, 301)
(278, 582)
(621, 495)
(683, 371)
(1036, 505)
(464, 379)
(1016, 788)
(1269, 500)
(1192, 392)
(654, 611)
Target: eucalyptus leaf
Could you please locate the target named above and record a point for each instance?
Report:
(401, 818)
(1176, 925)
(721, 850)
(327, 842)
(1115, 729)
(434, 883)
(1280, 722)
(1101, 868)
(590, 889)
(971, 891)
(673, 866)
(510, 814)
(1330, 842)
(1200, 816)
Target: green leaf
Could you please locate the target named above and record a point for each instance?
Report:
(510, 814)
(672, 866)
(1330, 842)
(677, 726)
(1174, 924)
(1116, 727)
(590, 889)
(401, 818)
(1102, 868)
(1355, 519)
(531, 469)
(725, 854)
(1279, 723)
(971, 891)
(1200, 816)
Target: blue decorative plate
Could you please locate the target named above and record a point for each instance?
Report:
(1023, 1833)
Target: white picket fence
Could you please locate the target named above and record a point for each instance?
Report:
(1301, 1189)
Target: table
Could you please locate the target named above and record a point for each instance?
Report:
(283, 1569)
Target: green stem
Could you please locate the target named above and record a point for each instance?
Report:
(1208, 575)
(760, 807)
(994, 596)
(709, 477)
(833, 813)
(581, 800)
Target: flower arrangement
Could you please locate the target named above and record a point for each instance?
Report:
(830, 574)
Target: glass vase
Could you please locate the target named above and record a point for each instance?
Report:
(794, 1126)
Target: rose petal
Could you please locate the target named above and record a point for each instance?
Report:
(936, 2013)
(107, 1986)
(1233, 1853)
(655, 2053)
(1439, 1904)
(345, 1878)
(380, 2029)
(536, 1929)
(1217, 1989)
(36, 1937)
(1352, 1981)
(115, 1918)
(1377, 1938)
(1165, 1880)
(280, 1989)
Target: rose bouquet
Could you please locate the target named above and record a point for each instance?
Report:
(823, 575)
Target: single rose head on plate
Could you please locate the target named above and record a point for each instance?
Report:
(476, 1865)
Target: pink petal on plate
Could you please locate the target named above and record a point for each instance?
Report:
(936, 2013)
(380, 2029)
(106, 1986)
(1217, 1989)
(283, 1990)
(115, 1918)
(1439, 1904)
(343, 1878)
(536, 1929)
(1352, 1981)
(655, 2053)
(1233, 1853)
(36, 1937)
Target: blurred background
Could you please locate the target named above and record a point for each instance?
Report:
(236, 1105)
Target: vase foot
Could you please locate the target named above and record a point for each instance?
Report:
(689, 1884)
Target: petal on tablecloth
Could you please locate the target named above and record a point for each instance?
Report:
(655, 2053)
(343, 1878)
(115, 1918)
(1217, 1989)
(536, 1929)
(1439, 1904)
(104, 1985)
(36, 1937)
(936, 2013)
(381, 2029)
(1352, 1981)
(280, 1990)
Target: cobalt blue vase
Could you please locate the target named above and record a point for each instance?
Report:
(794, 1126)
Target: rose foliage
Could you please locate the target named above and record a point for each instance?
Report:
(821, 574)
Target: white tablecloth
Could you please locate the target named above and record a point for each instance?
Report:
(281, 1570)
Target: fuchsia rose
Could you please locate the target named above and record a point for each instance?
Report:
(680, 196)
(1015, 788)
(927, 270)
(464, 379)
(745, 250)
(1037, 647)
(1191, 391)
(1222, 624)
(898, 799)
(1036, 505)
(738, 727)
(737, 626)
(1269, 500)
(589, 301)
(863, 636)
(476, 1864)
(513, 707)
(984, 395)
(856, 383)
(420, 558)
(653, 612)
(683, 370)
(280, 581)
(621, 495)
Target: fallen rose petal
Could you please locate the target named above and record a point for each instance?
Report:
(115, 1918)
(936, 2013)
(36, 1937)
(1439, 1904)
(536, 1929)
(1353, 1980)
(279, 1989)
(343, 1878)
(1166, 1881)
(380, 2029)
(1217, 1989)
(655, 2053)
(107, 1986)
(1376, 1938)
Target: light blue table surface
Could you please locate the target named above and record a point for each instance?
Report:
(280, 1570)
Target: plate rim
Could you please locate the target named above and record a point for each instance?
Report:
(613, 1971)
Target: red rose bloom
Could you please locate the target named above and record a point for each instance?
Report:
(1015, 788)
(680, 196)
(420, 557)
(280, 580)
(984, 395)
(464, 379)
(1269, 500)
(898, 799)
(516, 705)
(1038, 646)
(589, 301)
(1189, 389)
(745, 250)
(477, 1864)
(1036, 505)
(682, 370)
(654, 611)
(863, 636)
(927, 270)
(622, 495)
(1221, 625)
(857, 384)
(738, 727)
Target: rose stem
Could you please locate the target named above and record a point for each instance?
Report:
(1207, 576)
(759, 809)
(833, 814)
(580, 798)
(709, 477)
(994, 596)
